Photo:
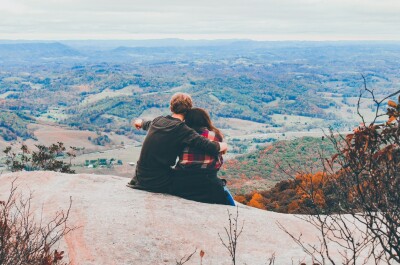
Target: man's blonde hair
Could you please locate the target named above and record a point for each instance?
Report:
(180, 103)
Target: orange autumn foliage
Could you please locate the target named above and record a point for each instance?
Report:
(290, 196)
(241, 199)
(293, 206)
(311, 187)
(392, 104)
(256, 201)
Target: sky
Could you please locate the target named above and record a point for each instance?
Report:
(200, 19)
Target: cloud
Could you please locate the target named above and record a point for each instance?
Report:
(259, 19)
(10, 7)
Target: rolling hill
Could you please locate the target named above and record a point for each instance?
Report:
(262, 169)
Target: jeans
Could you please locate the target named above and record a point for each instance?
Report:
(229, 197)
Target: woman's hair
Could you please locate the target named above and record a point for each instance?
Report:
(197, 118)
(180, 103)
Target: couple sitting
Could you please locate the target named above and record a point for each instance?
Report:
(190, 135)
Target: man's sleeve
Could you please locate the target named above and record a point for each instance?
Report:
(146, 125)
(191, 138)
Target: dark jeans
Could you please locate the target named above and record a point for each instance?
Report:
(154, 180)
(201, 186)
(231, 200)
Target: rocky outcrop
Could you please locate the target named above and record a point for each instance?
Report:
(119, 225)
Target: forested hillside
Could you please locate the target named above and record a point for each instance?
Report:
(360, 173)
(279, 161)
(266, 82)
(13, 125)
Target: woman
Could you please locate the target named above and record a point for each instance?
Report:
(195, 175)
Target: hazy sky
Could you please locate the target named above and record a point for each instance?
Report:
(200, 19)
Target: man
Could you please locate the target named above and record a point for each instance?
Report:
(166, 137)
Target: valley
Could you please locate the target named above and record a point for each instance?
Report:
(258, 94)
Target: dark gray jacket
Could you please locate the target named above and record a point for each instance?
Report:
(165, 140)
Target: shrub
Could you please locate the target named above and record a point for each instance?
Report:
(45, 158)
(25, 241)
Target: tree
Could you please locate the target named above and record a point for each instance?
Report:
(45, 158)
(256, 201)
(363, 179)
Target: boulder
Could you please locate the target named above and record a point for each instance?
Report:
(120, 225)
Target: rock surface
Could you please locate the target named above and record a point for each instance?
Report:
(119, 225)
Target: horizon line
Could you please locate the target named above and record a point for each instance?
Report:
(196, 37)
(200, 39)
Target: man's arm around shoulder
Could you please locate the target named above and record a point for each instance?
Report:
(191, 138)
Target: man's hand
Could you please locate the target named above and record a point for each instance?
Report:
(223, 147)
(137, 123)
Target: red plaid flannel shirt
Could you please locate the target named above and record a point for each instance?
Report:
(192, 158)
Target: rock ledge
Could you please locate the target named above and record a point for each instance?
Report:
(119, 225)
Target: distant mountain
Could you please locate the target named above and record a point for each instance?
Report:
(17, 52)
(112, 44)
(178, 49)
